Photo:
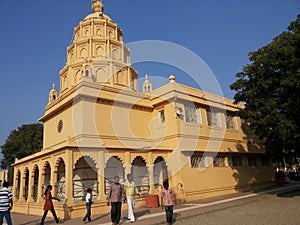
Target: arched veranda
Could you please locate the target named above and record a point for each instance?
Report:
(114, 167)
(84, 176)
(60, 185)
(35, 183)
(160, 171)
(140, 176)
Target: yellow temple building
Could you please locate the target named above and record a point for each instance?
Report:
(98, 125)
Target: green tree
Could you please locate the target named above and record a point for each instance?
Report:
(23, 141)
(270, 89)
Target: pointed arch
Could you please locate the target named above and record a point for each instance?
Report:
(160, 172)
(35, 174)
(60, 184)
(139, 173)
(122, 77)
(113, 167)
(85, 176)
(46, 173)
(26, 183)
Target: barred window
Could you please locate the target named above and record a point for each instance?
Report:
(237, 161)
(230, 121)
(192, 114)
(213, 118)
(162, 116)
(252, 161)
(197, 160)
(219, 161)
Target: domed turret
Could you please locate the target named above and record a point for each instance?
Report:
(98, 53)
(53, 95)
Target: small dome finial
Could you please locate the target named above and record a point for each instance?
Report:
(98, 6)
(53, 86)
(172, 78)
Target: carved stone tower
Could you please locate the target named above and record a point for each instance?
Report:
(98, 53)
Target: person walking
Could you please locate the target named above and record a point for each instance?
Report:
(89, 202)
(49, 205)
(114, 198)
(130, 193)
(6, 204)
(168, 200)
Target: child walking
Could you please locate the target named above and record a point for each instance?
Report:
(88, 199)
(168, 199)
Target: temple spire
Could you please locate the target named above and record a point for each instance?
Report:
(97, 6)
(147, 85)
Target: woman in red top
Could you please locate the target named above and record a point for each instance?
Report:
(49, 205)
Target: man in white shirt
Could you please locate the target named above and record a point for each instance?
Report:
(130, 192)
(88, 199)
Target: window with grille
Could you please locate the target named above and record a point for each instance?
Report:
(219, 161)
(192, 114)
(197, 160)
(213, 118)
(230, 121)
(162, 116)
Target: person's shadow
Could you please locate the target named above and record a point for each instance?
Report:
(141, 213)
(176, 216)
(67, 210)
(100, 217)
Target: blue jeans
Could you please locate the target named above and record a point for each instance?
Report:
(88, 212)
(169, 214)
(5, 214)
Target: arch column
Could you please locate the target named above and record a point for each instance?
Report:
(15, 184)
(127, 164)
(22, 186)
(40, 186)
(53, 177)
(151, 179)
(150, 173)
(101, 165)
(30, 186)
(69, 176)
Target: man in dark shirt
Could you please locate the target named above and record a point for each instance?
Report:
(115, 197)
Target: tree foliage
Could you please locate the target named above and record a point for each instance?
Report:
(270, 88)
(23, 141)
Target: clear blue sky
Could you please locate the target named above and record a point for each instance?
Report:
(35, 34)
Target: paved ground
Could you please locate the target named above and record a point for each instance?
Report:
(268, 209)
(273, 206)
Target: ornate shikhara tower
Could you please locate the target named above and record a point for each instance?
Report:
(99, 41)
(98, 125)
